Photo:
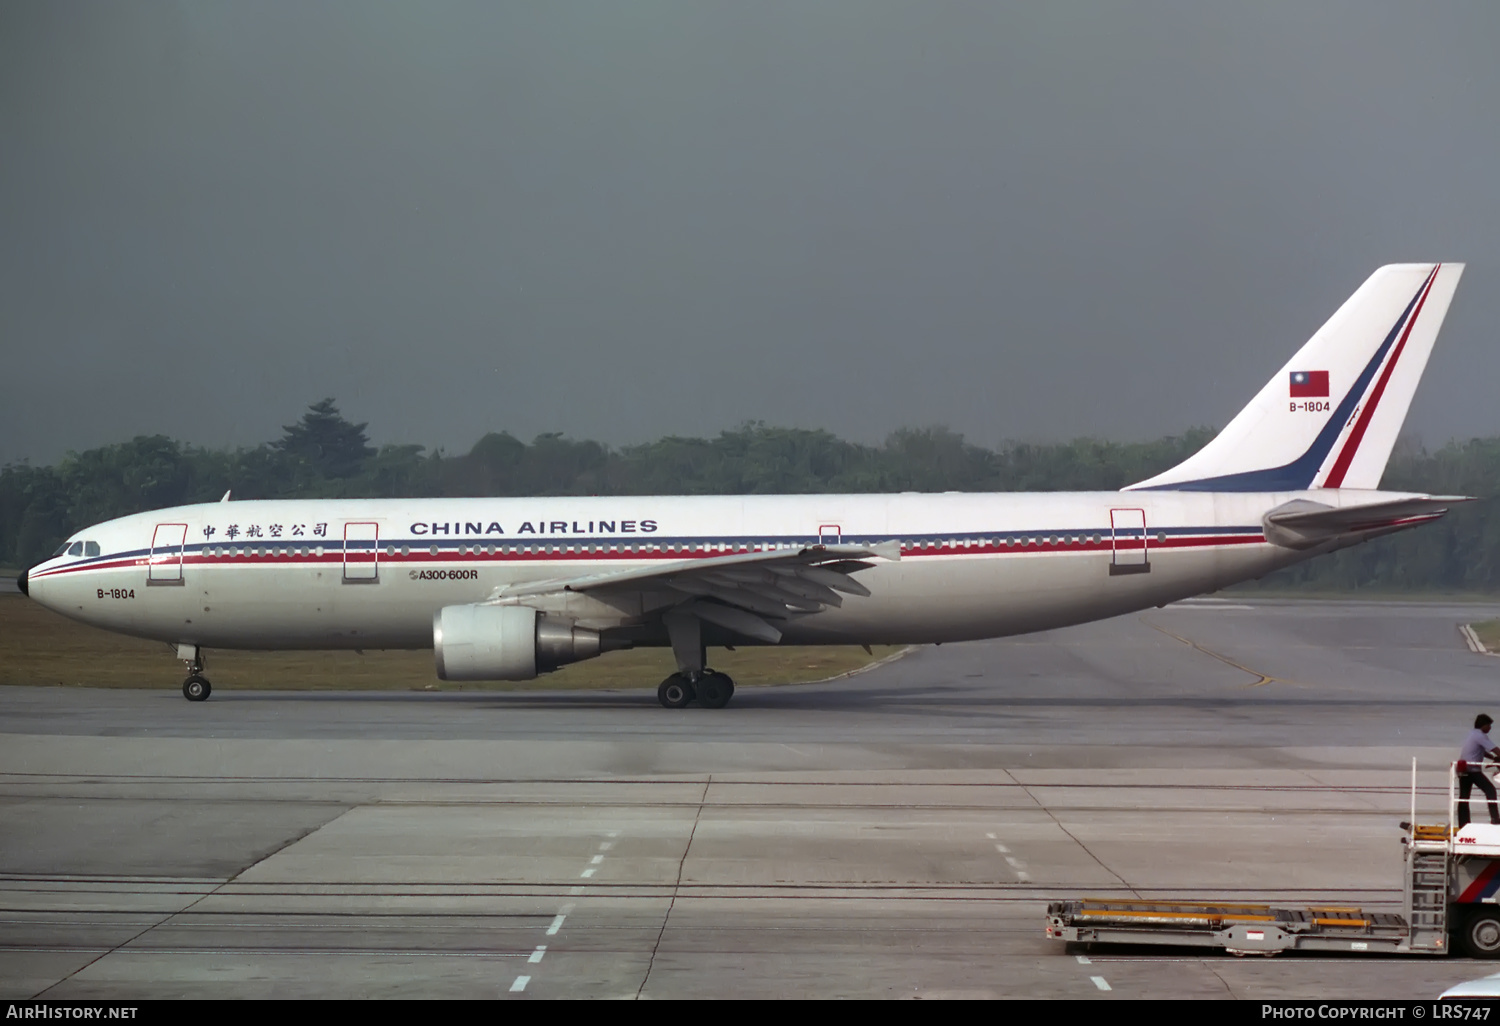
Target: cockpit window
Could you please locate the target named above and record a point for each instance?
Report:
(60, 550)
(90, 548)
(76, 549)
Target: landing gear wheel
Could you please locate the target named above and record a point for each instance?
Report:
(675, 692)
(196, 688)
(715, 690)
(1481, 933)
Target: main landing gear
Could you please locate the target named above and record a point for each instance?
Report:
(196, 688)
(693, 681)
(710, 688)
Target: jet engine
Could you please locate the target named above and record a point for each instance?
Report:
(478, 642)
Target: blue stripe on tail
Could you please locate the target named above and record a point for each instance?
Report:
(1299, 473)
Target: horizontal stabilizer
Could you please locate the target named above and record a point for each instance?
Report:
(1301, 523)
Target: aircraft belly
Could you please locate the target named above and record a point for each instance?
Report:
(264, 607)
(316, 608)
(965, 598)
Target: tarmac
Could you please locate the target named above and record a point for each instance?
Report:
(893, 834)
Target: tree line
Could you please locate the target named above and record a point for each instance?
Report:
(325, 455)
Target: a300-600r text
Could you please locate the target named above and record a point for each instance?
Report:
(444, 575)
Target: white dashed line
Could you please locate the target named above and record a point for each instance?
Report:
(557, 922)
(613, 833)
(606, 845)
(587, 873)
(521, 981)
(1101, 982)
(596, 860)
(536, 956)
(1002, 849)
(1083, 960)
(990, 836)
(1023, 876)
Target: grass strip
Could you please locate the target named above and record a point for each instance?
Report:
(1488, 633)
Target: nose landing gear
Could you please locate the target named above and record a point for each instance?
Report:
(196, 688)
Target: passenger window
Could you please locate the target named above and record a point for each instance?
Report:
(76, 549)
(90, 548)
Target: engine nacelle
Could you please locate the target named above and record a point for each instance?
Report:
(476, 642)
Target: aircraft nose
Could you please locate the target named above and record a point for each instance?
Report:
(21, 583)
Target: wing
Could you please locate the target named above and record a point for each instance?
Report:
(748, 592)
(1301, 523)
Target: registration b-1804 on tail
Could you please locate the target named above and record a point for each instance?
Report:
(506, 589)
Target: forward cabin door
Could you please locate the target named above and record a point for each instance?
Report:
(165, 566)
(361, 553)
(1128, 530)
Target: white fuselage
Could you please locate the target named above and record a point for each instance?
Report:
(370, 573)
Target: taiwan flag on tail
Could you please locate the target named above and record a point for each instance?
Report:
(1309, 384)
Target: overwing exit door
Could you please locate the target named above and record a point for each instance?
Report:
(1128, 531)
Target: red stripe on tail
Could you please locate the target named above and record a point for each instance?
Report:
(1351, 446)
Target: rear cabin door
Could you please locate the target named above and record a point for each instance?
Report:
(1128, 530)
(830, 534)
(165, 566)
(361, 553)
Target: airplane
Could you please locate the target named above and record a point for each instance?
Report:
(506, 589)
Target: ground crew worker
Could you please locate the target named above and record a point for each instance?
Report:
(1477, 747)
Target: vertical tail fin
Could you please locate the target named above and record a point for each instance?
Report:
(1330, 417)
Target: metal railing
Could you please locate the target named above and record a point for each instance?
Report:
(1456, 771)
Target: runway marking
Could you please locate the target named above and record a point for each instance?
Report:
(588, 873)
(606, 845)
(613, 833)
(1472, 640)
(520, 984)
(1017, 866)
(596, 860)
(536, 956)
(1261, 678)
(557, 922)
(1020, 869)
(1101, 983)
(1084, 960)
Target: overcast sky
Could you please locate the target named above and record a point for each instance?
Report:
(620, 220)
